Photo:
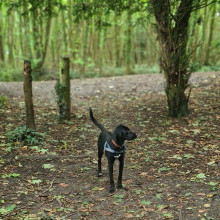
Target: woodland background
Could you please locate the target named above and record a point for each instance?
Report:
(98, 42)
(171, 169)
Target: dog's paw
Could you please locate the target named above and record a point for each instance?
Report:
(119, 186)
(99, 174)
(122, 187)
(112, 190)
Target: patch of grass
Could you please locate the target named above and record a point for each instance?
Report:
(209, 68)
(142, 69)
(3, 102)
(196, 67)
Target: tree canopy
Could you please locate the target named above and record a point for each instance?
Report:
(123, 32)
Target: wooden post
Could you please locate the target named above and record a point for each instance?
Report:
(65, 82)
(30, 123)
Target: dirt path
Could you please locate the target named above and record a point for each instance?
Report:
(135, 84)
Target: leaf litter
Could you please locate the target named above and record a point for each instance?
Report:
(171, 169)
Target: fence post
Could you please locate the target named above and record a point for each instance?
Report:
(29, 108)
(65, 83)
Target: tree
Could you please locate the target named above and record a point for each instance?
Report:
(172, 18)
(172, 25)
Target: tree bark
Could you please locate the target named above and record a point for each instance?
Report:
(65, 82)
(30, 122)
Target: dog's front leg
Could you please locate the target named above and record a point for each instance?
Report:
(110, 168)
(121, 166)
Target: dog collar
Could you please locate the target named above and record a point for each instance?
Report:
(115, 144)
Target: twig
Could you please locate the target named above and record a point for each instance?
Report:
(50, 186)
(180, 213)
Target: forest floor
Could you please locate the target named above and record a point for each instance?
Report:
(171, 170)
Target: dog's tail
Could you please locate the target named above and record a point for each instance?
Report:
(95, 122)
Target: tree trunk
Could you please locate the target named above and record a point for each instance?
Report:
(71, 32)
(211, 29)
(128, 42)
(37, 46)
(11, 36)
(85, 47)
(65, 83)
(64, 29)
(27, 52)
(47, 37)
(117, 41)
(204, 36)
(174, 59)
(30, 123)
(2, 57)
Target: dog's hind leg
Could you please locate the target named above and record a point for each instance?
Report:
(100, 154)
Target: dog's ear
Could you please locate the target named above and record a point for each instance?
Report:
(120, 134)
(120, 137)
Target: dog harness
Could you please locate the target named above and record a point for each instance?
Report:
(108, 148)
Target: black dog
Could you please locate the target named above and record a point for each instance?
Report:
(113, 145)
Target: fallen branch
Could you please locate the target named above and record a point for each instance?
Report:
(46, 156)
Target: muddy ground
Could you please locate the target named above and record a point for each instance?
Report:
(171, 170)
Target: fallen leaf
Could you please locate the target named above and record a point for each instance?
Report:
(143, 174)
(63, 184)
(128, 215)
(200, 194)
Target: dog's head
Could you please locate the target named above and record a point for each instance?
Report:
(124, 133)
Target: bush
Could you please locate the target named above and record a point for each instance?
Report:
(9, 75)
(28, 136)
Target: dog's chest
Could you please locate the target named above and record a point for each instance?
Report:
(117, 152)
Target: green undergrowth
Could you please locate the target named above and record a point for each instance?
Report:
(26, 135)
(15, 74)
